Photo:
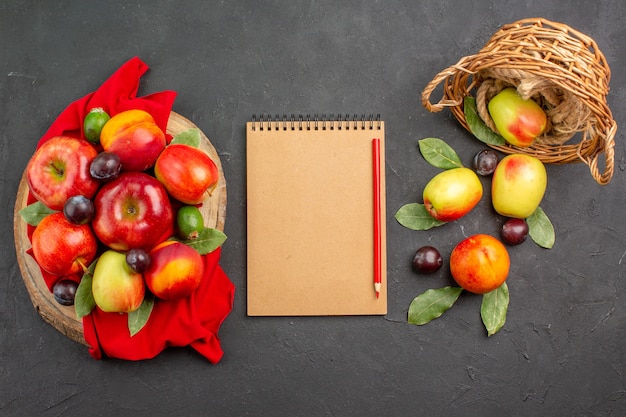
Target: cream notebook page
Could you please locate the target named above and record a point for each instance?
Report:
(310, 218)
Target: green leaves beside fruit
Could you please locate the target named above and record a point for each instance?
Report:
(478, 128)
(540, 229)
(432, 303)
(414, 216)
(493, 309)
(33, 213)
(439, 154)
(207, 241)
(84, 301)
(190, 137)
(137, 319)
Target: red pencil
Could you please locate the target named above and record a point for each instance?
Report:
(377, 219)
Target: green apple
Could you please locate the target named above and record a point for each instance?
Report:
(116, 287)
(451, 194)
(518, 185)
(519, 121)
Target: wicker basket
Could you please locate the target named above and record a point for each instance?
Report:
(560, 68)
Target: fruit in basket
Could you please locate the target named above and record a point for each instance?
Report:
(138, 259)
(133, 211)
(175, 270)
(115, 287)
(189, 222)
(93, 123)
(64, 291)
(188, 174)
(62, 248)
(479, 263)
(59, 169)
(79, 209)
(518, 185)
(452, 193)
(519, 121)
(106, 166)
(135, 137)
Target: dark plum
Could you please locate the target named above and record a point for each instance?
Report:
(138, 260)
(485, 162)
(105, 166)
(514, 231)
(427, 260)
(79, 209)
(64, 291)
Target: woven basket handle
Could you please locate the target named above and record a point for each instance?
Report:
(603, 178)
(451, 71)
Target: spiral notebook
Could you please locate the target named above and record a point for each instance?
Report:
(315, 217)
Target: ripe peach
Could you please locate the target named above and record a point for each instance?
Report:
(175, 270)
(480, 263)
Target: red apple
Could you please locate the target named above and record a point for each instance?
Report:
(188, 174)
(59, 169)
(175, 270)
(518, 120)
(135, 137)
(115, 287)
(62, 248)
(133, 211)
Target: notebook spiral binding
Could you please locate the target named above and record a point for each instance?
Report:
(315, 122)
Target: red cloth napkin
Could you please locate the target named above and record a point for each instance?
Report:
(193, 321)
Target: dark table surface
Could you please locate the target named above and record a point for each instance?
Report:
(561, 351)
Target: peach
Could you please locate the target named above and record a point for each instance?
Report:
(175, 270)
(479, 264)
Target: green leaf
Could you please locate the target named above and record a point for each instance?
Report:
(83, 300)
(493, 309)
(477, 126)
(35, 212)
(207, 241)
(540, 229)
(190, 137)
(137, 319)
(438, 153)
(432, 304)
(415, 216)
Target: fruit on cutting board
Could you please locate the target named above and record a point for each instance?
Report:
(175, 270)
(452, 193)
(62, 248)
(93, 123)
(519, 121)
(518, 185)
(59, 169)
(188, 174)
(115, 287)
(479, 263)
(135, 137)
(133, 211)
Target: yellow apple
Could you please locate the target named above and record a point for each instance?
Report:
(518, 185)
(451, 194)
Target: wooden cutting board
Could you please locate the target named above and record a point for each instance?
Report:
(63, 318)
